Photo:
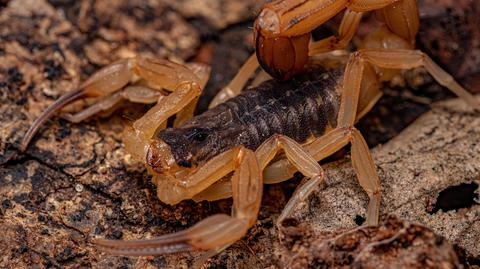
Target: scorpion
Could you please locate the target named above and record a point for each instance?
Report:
(307, 115)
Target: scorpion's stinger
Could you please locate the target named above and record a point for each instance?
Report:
(48, 113)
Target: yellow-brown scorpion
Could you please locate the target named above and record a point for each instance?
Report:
(307, 116)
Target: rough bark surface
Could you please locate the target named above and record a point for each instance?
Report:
(76, 181)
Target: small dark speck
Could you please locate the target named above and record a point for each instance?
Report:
(52, 69)
(117, 234)
(21, 101)
(41, 218)
(68, 251)
(76, 217)
(23, 249)
(63, 131)
(6, 204)
(123, 267)
(438, 240)
(185, 163)
(359, 220)
(31, 87)
(159, 262)
(14, 75)
(290, 222)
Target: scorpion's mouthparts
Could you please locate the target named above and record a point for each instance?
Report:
(159, 156)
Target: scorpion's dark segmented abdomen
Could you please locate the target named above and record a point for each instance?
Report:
(299, 108)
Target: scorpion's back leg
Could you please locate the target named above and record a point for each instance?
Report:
(346, 133)
(236, 85)
(137, 94)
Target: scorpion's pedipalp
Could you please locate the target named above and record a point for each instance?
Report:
(186, 85)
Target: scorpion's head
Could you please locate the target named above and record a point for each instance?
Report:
(181, 148)
(280, 55)
(175, 153)
(173, 149)
(193, 143)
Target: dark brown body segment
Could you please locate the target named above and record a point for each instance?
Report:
(298, 108)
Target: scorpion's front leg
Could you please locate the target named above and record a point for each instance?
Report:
(107, 82)
(215, 232)
(186, 85)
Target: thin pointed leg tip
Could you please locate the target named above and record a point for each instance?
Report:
(64, 100)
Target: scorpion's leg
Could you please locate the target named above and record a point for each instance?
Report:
(186, 85)
(137, 94)
(397, 59)
(237, 83)
(298, 158)
(347, 29)
(107, 80)
(215, 232)
(112, 78)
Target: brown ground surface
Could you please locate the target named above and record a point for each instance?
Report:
(76, 181)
